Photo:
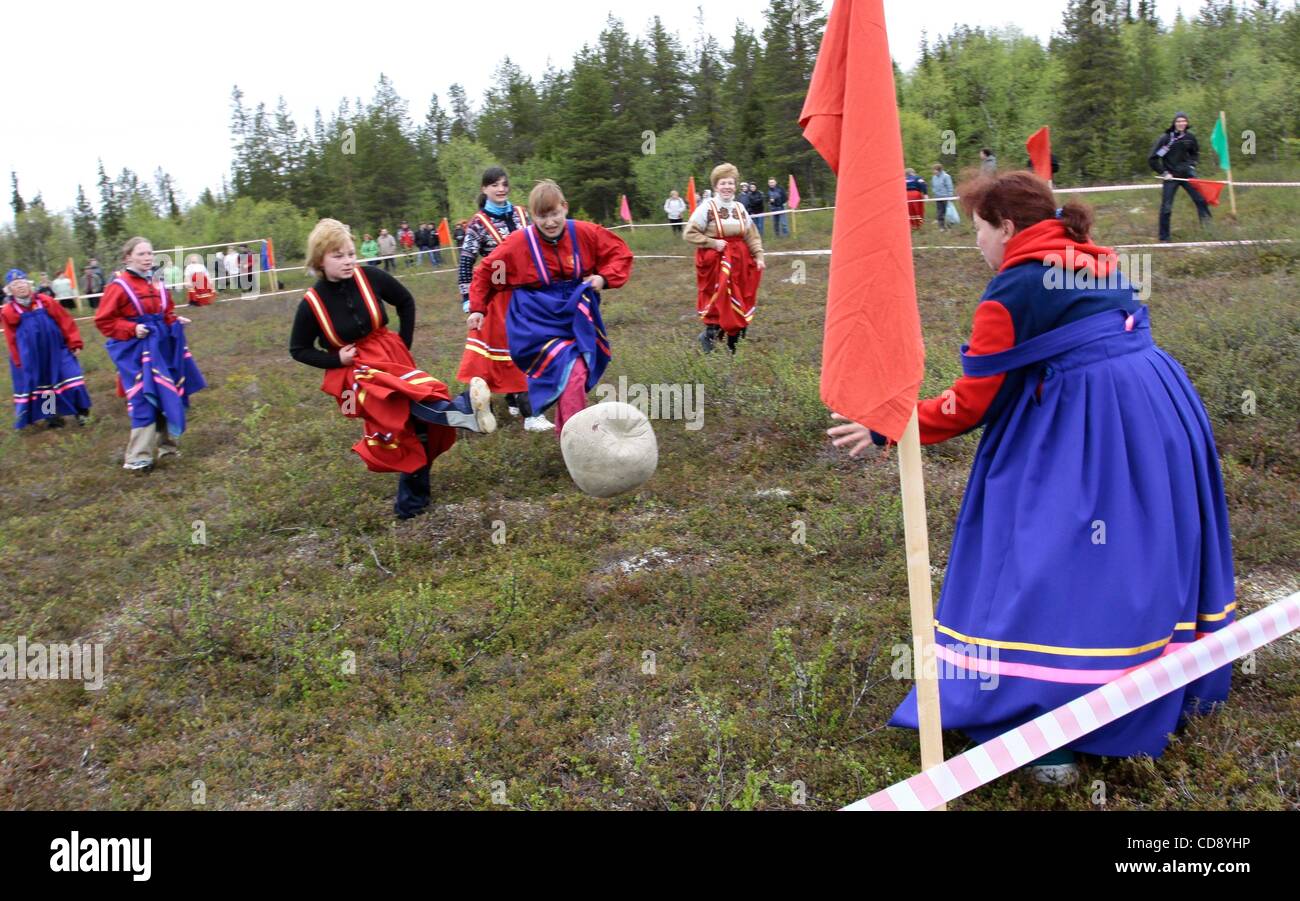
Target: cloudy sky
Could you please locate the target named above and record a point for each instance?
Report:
(151, 87)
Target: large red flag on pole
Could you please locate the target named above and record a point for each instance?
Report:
(691, 199)
(872, 355)
(1039, 146)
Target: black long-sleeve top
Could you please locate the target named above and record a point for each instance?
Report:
(349, 316)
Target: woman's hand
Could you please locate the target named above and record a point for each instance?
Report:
(347, 353)
(859, 436)
(761, 264)
(474, 321)
(596, 281)
(719, 246)
(141, 330)
(183, 321)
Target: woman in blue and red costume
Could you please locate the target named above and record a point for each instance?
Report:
(43, 346)
(341, 326)
(550, 282)
(1093, 536)
(155, 370)
(487, 353)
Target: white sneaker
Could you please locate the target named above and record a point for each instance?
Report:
(538, 423)
(514, 411)
(1056, 773)
(480, 399)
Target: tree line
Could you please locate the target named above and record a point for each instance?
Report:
(638, 115)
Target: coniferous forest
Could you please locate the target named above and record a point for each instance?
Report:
(640, 109)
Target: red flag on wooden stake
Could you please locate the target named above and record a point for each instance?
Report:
(873, 358)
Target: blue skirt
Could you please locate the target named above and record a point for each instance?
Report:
(157, 373)
(49, 383)
(548, 329)
(1093, 537)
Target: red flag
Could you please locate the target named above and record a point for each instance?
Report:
(444, 233)
(873, 358)
(268, 255)
(70, 273)
(792, 195)
(624, 212)
(691, 199)
(1210, 190)
(1039, 146)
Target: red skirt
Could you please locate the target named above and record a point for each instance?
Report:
(378, 388)
(727, 283)
(487, 352)
(915, 209)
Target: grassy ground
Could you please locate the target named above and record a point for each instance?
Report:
(672, 648)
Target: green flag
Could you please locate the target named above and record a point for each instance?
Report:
(1219, 141)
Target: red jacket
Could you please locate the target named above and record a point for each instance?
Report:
(603, 253)
(115, 306)
(10, 316)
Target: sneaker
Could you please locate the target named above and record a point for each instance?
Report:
(1057, 768)
(83, 418)
(706, 341)
(480, 398)
(1056, 773)
(139, 466)
(514, 411)
(538, 423)
(168, 450)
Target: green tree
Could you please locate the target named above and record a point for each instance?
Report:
(461, 163)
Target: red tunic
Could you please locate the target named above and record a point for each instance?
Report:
(603, 253)
(200, 288)
(10, 317)
(115, 307)
(378, 388)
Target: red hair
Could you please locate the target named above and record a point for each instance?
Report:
(1025, 199)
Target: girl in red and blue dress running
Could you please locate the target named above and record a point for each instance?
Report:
(43, 346)
(155, 371)
(546, 282)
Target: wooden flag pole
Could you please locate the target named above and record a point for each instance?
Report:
(916, 538)
(1232, 195)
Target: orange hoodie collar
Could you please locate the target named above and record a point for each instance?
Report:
(1048, 239)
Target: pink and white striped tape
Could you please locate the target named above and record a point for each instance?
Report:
(1059, 727)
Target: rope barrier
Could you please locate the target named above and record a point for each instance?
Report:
(1058, 728)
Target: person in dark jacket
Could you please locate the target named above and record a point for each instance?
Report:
(752, 200)
(776, 199)
(1175, 156)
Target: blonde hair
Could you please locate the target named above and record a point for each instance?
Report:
(328, 235)
(545, 197)
(724, 170)
(131, 244)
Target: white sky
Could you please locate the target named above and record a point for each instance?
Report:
(96, 83)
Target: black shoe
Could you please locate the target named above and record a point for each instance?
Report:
(706, 341)
(56, 422)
